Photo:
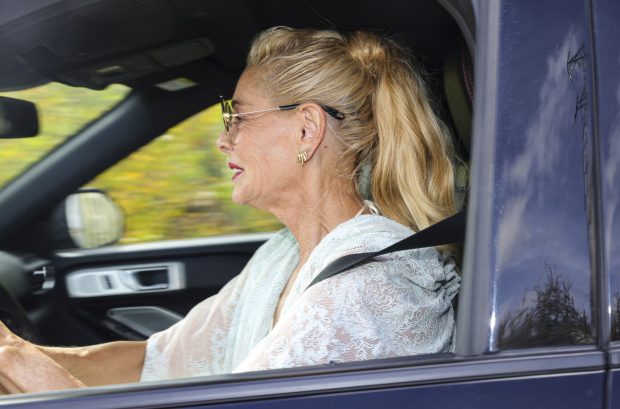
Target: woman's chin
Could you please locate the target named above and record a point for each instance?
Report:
(239, 197)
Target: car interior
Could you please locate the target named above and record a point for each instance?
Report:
(178, 57)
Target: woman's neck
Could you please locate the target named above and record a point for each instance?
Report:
(310, 219)
(316, 212)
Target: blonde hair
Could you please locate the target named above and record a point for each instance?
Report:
(389, 125)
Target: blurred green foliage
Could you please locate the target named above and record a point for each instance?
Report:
(62, 111)
(176, 187)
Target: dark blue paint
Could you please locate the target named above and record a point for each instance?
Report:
(542, 132)
(605, 18)
(606, 15)
(614, 394)
(567, 392)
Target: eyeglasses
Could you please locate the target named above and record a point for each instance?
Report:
(231, 118)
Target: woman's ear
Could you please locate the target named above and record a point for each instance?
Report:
(313, 126)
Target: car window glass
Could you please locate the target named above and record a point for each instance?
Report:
(62, 111)
(179, 186)
(542, 190)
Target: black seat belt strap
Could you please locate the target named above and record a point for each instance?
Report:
(447, 231)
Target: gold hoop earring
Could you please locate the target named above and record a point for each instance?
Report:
(302, 157)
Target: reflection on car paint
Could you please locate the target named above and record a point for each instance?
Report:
(542, 245)
(549, 317)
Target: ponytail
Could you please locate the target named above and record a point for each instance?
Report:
(413, 178)
(402, 150)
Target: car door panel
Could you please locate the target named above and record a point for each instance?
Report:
(204, 266)
(569, 379)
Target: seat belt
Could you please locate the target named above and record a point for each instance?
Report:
(447, 231)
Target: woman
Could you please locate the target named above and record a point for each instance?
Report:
(320, 123)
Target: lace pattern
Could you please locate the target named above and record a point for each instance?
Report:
(398, 305)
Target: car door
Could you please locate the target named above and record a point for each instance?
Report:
(107, 294)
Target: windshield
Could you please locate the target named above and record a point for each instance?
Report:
(63, 110)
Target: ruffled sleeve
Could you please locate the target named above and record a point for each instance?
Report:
(217, 333)
(176, 352)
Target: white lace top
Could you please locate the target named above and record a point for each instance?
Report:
(398, 305)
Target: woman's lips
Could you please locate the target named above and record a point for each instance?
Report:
(236, 168)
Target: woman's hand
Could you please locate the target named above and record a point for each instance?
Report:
(24, 368)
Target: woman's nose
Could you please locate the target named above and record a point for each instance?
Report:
(223, 142)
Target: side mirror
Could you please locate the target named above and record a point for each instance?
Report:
(87, 219)
(18, 118)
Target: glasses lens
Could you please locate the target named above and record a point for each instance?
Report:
(226, 113)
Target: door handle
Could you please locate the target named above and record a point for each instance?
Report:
(131, 279)
(146, 279)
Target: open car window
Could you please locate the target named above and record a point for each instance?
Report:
(179, 187)
(63, 111)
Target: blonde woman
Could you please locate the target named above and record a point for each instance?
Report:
(334, 134)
